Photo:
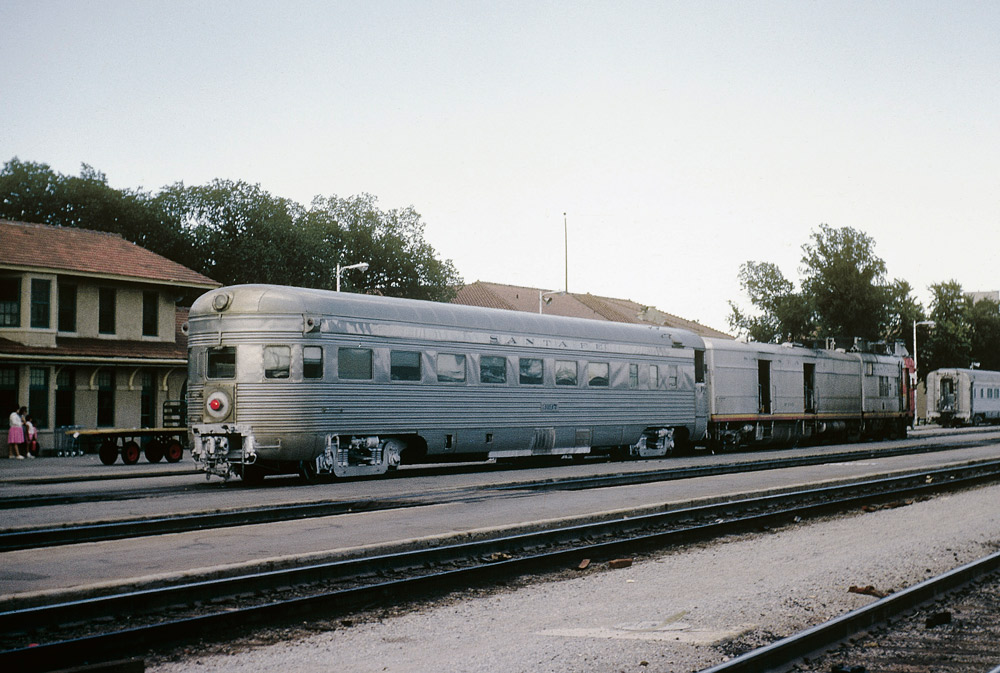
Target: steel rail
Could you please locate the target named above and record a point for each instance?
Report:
(782, 654)
(33, 538)
(137, 639)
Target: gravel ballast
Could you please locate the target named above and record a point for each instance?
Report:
(684, 610)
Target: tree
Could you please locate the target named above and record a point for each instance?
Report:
(846, 284)
(241, 233)
(783, 314)
(235, 232)
(844, 294)
(33, 192)
(401, 262)
(984, 318)
(949, 343)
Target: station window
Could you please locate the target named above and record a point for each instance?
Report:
(354, 363)
(106, 310)
(67, 307)
(633, 376)
(492, 369)
(654, 376)
(150, 314)
(38, 396)
(598, 374)
(41, 302)
(222, 363)
(312, 362)
(565, 373)
(10, 302)
(277, 362)
(532, 370)
(450, 368)
(404, 366)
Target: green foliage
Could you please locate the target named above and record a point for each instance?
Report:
(235, 232)
(784, 315)
(844, 294)
(985, 321)
(33, 192)
(846, 285)
(949, 342)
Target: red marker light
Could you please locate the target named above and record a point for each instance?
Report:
(215, 404)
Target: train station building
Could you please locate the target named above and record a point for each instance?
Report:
(90, 331)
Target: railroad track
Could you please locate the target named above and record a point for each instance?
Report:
(64, 634)
(36, 537)
(946, 624)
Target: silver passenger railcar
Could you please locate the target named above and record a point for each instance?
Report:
(764, 394)
(963, 396)
(286, 379)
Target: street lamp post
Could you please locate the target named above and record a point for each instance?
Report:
(361, 266)
(545, 297)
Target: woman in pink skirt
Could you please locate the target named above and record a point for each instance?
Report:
(15, 436)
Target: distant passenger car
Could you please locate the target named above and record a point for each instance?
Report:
(963, 396)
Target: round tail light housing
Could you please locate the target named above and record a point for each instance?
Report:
(217, 405)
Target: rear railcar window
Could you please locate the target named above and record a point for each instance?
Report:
(277, 362)
(492, 369)
(354, 363)
(531, 370)
(222, 363)
(312, 362)
(404, 366)
(598, 374)
(565, 373)
(450, 368)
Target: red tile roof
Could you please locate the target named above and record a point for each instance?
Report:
(89, 253)
(519, 298)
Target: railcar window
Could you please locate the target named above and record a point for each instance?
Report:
(450, 368)
(277, 362)
(354, 363)
(633, 376)
(883, 386)
(312, 362)
(672, 374)
(404, 366)
(222, 363)
(699, 366)
(565, 373)
(598, 374)
(492, 369)
(654, 376)
(532, 370)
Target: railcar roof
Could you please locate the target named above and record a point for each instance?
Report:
(280, 299)
(794, 350)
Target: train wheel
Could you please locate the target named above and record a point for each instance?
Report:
(130, 452)
(174, 451)
(307, 471)
(252, 475)
(108, 452)
(154, 451)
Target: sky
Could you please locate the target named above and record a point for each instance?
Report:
(671, 140)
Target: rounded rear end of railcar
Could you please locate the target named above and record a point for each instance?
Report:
(248, 374)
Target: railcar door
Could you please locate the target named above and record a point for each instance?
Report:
(700, 397)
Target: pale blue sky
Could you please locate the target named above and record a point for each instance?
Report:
(681, 138)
